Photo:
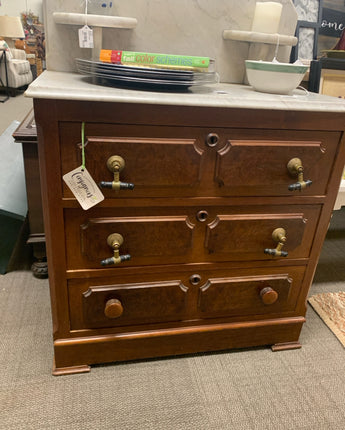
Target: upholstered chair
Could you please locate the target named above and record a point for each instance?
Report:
(18, 67)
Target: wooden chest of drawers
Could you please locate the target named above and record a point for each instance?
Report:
(223, 244)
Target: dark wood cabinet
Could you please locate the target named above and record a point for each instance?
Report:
(222, 249)
(26, 134)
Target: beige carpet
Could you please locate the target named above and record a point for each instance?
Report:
(251, 389)
(331, 308)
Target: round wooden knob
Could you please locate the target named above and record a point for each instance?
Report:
(268, 296)
(113, 308)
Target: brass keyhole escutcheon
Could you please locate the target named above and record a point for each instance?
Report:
(195, 279)
(212, 140)
(202, 216)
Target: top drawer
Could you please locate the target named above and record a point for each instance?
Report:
(181, 162)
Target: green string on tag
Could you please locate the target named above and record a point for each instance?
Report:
(83, 146)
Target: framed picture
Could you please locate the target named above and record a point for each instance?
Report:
(307, 29)
(307, 35)
(331, 26)
(320, 24)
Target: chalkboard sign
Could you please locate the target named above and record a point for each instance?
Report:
(332, 22)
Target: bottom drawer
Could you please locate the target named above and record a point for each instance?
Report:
(175, 297)
(139, 303)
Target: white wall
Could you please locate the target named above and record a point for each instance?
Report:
(185, 27)
(15, 7)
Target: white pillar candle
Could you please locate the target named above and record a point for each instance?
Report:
(267, 17)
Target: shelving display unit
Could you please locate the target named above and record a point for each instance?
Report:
(252, 36)
(97, 22)
(260, 44)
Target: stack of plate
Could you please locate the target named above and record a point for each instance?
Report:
(143, 77)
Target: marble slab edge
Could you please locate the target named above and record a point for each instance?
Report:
(252, 36)
(94, 20)
(72, 86)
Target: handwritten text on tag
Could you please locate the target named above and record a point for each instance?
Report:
(85, 37)
(84, 188)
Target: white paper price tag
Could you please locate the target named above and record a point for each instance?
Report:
(85, 37)
(84, 188)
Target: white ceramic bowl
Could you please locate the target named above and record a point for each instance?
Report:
(277, 78)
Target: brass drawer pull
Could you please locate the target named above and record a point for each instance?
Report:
(113, 308)
(268, 296)
(212, 139)
(116, 164)
(279, 236)
(115, 240)
(295, 168)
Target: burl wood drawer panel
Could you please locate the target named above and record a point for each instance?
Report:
(179, 161)
(240, 171)
(251, 235)
(180, 235)
(250, 295)
(134, 303)
(156, 166)
(239, 294)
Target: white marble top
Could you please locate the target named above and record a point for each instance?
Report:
(94, 20)
(72, 86)
(253, 36)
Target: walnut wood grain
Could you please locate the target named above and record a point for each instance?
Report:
(240, 170)
(154, 165)
(160, 343)
(130, 304)
(230, 296)
(169, 235)
(246, 235)
(240, 183)
(26, 134)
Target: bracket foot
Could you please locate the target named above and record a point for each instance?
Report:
(285, 346)
(83, 368)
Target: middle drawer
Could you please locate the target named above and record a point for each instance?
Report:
(152, 236)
